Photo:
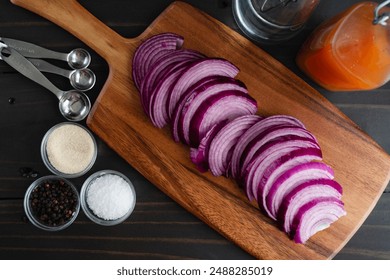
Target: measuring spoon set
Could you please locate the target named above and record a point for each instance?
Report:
(27, 59)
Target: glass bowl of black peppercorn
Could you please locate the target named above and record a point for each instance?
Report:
(52, 203)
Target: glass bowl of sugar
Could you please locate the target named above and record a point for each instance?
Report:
(69, 150)
(107, 197)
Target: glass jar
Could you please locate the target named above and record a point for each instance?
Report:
(52, 203)
(350, 51)
(108, 201)
(73, 150)
(272, 21)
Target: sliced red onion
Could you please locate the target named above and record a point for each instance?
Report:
(151, 50)
(275, 158)
(200, 155)
(222, 144)
(197, 71)
(315, 216)
(186, 99)
(204, 84)
(303, 194)
(187, 107)
(225, 105)
(278, 167)
(290, 179)
(158, 113)
(266, 155)
(251, 133)
(158, 69)
(267, 135)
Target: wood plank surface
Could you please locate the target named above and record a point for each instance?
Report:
(353, 153)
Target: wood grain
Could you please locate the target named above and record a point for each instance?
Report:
(361, 166)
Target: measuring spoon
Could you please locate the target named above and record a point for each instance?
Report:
(77, 58)
(80, 79)
(74, 105)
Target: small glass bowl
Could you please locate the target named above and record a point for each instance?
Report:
(47, 162)
(84, 204)
(30, 212)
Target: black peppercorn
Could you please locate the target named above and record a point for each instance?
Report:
(53, 202)
(11, 100)
(28, 172)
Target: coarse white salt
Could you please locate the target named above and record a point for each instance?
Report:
(70, 148)
(110, 197)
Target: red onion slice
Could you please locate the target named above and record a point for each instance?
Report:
(151, 50)
(223, 143)
(159, 68)
(251, 133)
(225, 105)
(197, 71)
(267, 135)
(200, 155)
(205, 87)
(158, 113)
(303, 194)
(290, 179)
(187, 98)
(277, 168)
(315, 216)
(186, 109)
(267, 154)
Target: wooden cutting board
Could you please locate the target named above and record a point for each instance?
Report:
(360, 164)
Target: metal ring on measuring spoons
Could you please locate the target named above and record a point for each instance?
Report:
(383, 18)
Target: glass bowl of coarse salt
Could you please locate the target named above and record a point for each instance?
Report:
(107, 197)
(69, 150)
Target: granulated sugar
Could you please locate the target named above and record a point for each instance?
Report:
(110, 197)
(70, 149)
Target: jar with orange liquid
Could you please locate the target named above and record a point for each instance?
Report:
(351, 51)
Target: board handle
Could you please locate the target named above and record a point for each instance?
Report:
(74, 18)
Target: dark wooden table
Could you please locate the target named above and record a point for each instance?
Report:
(159, 228)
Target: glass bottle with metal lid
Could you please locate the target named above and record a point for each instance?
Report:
(350, 51)
(271, 21)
